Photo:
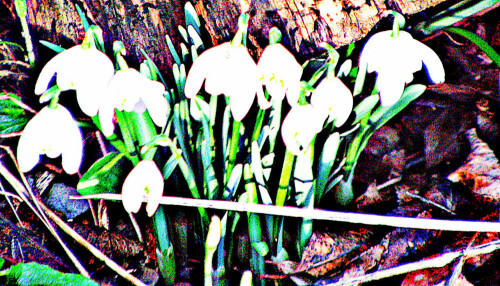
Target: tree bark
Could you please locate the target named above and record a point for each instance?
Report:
(143, 24)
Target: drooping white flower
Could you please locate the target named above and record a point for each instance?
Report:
(51, 132)
(300, 126)
(280, 72)
(88, 71)
(395, 59)
(145, 180)
(230, 71)
(129, 90)
(334, 99)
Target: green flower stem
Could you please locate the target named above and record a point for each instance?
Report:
(286, 173)
(258, 124)
(145, 131)
(164, 247)
(360, 80)
(398, 23)
(113, 139)
(189, 176)
(254, 227)
(119, 51)
(241, 35)
(333, 58)
(126, 129)
(21, 11)
(483, 45)
(213, 239)
(233, 148)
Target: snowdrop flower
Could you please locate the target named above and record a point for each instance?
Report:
(52, 132)
(280, 72)
(145, 179)
(130, 91)
(88, 71)
(300, 126)
(334, 99)
(227, 70)
(395, 59)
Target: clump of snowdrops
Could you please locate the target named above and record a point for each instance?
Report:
(248, 145)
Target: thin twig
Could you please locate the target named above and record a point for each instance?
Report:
(96, 252)
(34, 205)
(436, 262)
(366, 219)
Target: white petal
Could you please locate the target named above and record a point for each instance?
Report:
(106, 115)
(72, 149)
(133, 190)
(299, 127)
(432, 63)
(155, 187)
(144, 175)
(155, 102)
(28, 148)
(334, 98)
(201, 67)
(391, 87)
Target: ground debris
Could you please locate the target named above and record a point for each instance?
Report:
(481, 173)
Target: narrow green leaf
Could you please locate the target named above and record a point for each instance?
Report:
(53, 47)
(85, 23)
(365, 107)
(327, 158)
(183, 33)
(195, 39)
(172, 50)
(191, 16)
(482, 44)
(383, 114)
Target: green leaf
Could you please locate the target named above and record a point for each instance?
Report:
(183, 33)
(104, 176)
(196, 39)
(85, 23)
(364, 107)
(327, 158)
(192, 17)
(13, 118)
(31, 274)
(383, 114)
(485, 47)
(261, 248)
(172, 50)
(53, 47)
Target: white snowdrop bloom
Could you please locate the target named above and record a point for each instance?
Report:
(280, 72)
(395, 59)
(145, 180)
(129, 90)
(334, 99)
(88, 71)
(230, 71)
(51, 132)
(300, 126)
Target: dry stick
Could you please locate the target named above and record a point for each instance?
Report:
(96, 252)
(367, 219)
(437, 262)
(34, 205)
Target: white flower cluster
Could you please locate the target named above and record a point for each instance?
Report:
(231, 71)
(54, 132)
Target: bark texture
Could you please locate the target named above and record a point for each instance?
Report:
(143, 24)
